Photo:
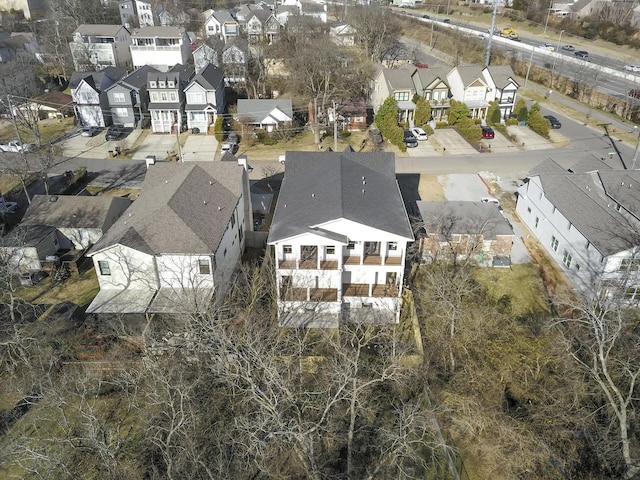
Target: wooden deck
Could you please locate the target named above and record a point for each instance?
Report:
(362, 290)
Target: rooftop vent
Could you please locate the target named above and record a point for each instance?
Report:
(53, 198)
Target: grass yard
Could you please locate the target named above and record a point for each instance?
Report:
(80, 290)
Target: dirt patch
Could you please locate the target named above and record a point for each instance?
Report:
(430, 189)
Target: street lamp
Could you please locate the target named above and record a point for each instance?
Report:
(553, 68)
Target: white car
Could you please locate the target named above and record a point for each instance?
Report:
(15, 147)
(632, 68)
(548, 47)
(419, 133)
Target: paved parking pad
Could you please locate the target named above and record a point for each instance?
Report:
(159, 145)
(200, 148)
(500, 144)
(424, 149)
(528, 139)
(96, 147)
(452, 143)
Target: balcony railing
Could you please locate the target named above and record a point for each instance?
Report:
(372, 260)
(161, 48)
(362, 290)
(311, 264)
(295, 294)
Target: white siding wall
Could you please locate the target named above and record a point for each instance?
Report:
(128, 269)
(182, 271)
(231, 247)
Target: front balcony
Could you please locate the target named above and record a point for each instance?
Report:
(372, 260)
(310, 264)
(296, 294)
(366, 290)
(155, 48)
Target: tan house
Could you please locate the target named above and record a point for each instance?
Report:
(457, 231)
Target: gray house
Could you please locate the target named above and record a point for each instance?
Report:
(235, 60)
(166, 98)
(128, 99)
(205, 98)
(88, 91)
(269, 115)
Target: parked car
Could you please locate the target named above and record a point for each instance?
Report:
(569, 48)
(555, 123)
(490, 200)
(229, 147)
(410, 140)
(582, 54)
(375, 136)
(547, 46)
(15, 147)
(487, 132)
(89, 131)
(114, 132)
(632, 68)
(419, 133)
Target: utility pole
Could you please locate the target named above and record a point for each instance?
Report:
(613, 144)
(13, 118)
(493, 26)
(335, 128)
(432, 24)
(526, 79)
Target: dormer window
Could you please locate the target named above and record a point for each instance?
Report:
(162, 84)
(153, 84)
(171, 84)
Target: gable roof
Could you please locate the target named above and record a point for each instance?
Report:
(470, 74)
(319, 187)
(463, 218)
(589, 202)
(55, 99)
(254, 111)
(96, 79)
(138, 78)
(210, 77)
(178, 73)
(99, 30)
(548, 165)
(398, 78)
(502, 75)
(69, 211)
(184, 208)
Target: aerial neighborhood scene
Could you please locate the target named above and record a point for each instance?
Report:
(296, 239)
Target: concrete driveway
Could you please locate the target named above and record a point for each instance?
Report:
(158, 144)
(450, 142)
(200, 148)
(424, 149)
(97, 147)
(500, 144)
(528, 139)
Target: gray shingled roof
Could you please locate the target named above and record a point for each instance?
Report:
(95, 79)
(210, 77)
(429, 75)
(320, 186)
(138, 78)
(502, 75)
(184, 208)
(69, 211)
(469, 74)
(624, 188)
(587, 165)
(547, 166)
(398, 79)
(582, 200)
(254, 110)
(158, 31)
(98, 30)
(464, 218)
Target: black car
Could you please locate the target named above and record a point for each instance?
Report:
(114, 132)
(555, 123)
(410, 140)
(581, 54)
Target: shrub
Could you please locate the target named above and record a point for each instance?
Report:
(265, 138)
(477, 121)
(442, 124)
(345, 133)
(457, 111)
(218, 128)
(521, 110)
(427, 129)
(469, 129)
(493, 113)
(396, 137)
(422, 113)
(537, 122)
(512, 121)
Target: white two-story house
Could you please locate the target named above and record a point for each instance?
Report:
(90, 101)
(166, 98)
(160, 47)
(469, 85)
(221, 24)
(175, 249)
(339, 235)
(95, 47)
(588, 221)
(136, 13)
(503, 84)
(205, 98)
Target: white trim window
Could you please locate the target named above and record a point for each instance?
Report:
(119, 97)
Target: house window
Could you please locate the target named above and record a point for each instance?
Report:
(204, 268)
(566, 259)
(287, 249)
(196, 98)
(351, 246)
(528, 209)
(367, 305)
(392, 246)
(103, 266)
(554, 210)
(163, 96)
(569, 226)
(588, 244)
(171, 84)
(401, 96)
(554, 243)
(120, 112)
(233, 220)
(630, 264)
(577, 266)
(162, 84)
(372, 248)
(173, 96)
(153, 84)
(119, 97)
(537, 221)
(154, 96)
(331, 250)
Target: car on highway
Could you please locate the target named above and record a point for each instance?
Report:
(487, 132)
(89, 131)
(426, 17)
(410, 140)
(15, 147)
(632, 68)
(446, 20)
(114, 132)
(419, 133)
(569, 48)
(547, 46)
(555, 123)
(582, 54)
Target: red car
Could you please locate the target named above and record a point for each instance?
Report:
(487, 132)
